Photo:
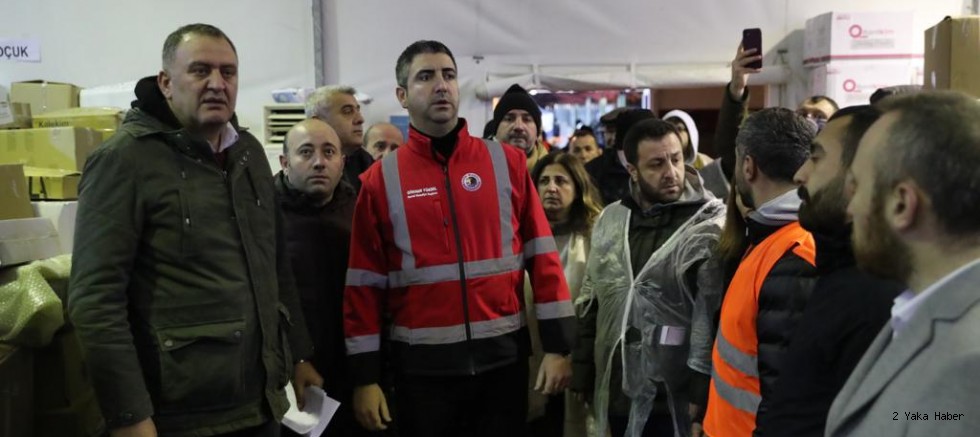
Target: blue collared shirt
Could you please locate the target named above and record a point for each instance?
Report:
(907, 303)
(229, 136)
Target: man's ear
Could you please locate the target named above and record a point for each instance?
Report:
(633, 171)
(749, 170)
(904, 206)
(164, 83)
(283, 162)
(402, 95)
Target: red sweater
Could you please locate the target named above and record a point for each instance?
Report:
(442, 246)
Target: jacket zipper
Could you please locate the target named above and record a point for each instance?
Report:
(462, 271)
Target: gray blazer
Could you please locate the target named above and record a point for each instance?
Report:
(932, 368)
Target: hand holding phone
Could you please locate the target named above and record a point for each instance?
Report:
(752, 39)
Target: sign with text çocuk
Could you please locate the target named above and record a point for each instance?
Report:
(23, 50)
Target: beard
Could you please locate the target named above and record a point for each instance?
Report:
(654, 196)
(879, 251)
(825, 211)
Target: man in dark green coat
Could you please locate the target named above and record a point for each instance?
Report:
(181, 290)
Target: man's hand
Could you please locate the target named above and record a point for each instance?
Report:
(371, 408)
(740, 73)
(697, 430)
(554, 374)
(143, 428)
(304, 375)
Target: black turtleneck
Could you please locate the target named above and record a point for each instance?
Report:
(446, 144)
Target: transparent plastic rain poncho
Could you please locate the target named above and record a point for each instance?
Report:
(676, 327)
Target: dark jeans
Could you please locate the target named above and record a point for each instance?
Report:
(658, 425)
(552, 424)
(491, 404)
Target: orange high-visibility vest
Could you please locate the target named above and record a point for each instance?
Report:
(734, 395)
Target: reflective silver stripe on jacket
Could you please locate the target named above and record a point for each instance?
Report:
(554, 310)
(742, 399)
(741, 361)
(457, 333)
(539, 246)
(365, 278)
(412, 275)
(363, 344)
(504, 190)
(450, 272)
(396, 209)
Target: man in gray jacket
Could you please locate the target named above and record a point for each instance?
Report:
(915, 209)
(181, 291)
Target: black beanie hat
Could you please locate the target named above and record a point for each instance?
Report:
(626, 119)
(516, 98)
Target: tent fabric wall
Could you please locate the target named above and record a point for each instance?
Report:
(572, 43)
(591, 43)
(101, 42)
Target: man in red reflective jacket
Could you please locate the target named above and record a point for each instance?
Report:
(443, 230)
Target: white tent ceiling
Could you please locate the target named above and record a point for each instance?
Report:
(577, 44)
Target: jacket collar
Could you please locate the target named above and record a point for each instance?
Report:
(885, 358)
(425, 145)
(834, 251)
(772, 216)
(694, 194)
(293, 199)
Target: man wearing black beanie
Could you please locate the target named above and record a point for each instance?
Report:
(609, 170)
(517, 121)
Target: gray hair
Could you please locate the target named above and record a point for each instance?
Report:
(778, 140)
(176, 37)
(935, 141)
(318, 103)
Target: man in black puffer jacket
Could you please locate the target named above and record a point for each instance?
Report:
(769, 291)
(847, 308)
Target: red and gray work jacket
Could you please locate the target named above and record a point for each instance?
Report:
(442, 247)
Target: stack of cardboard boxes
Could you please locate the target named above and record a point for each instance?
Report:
(44, 142)
(852, 54)
(58, 138)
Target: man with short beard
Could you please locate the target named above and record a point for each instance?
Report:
(518, 123)
(650, 260)
(847, 307)
(770, 288)
(915, 205)
(608, 171)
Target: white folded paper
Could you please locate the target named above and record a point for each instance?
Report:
(313, 419)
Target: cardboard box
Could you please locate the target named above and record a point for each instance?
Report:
(52, 183)
(15, 196)
(852, 82)
(45, 96)
(16, 391)
(59, 147)
(93, 118)
(62, 215)
(26, 240)
(952, 58)
(836, 36)
(13, 115)
(20, 116)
